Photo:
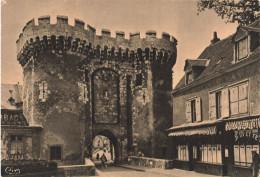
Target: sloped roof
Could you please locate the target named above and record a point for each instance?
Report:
(220, 55)
(5, 95)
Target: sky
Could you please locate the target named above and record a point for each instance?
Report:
(177, 17)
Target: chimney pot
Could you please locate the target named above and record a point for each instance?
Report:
(215, 38)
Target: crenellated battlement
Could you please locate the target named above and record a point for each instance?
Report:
(62, 37)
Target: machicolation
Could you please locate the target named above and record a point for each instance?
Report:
(61, 37)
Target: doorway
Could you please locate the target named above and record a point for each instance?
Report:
(105, 143)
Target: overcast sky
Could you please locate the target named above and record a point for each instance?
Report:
(177, 17)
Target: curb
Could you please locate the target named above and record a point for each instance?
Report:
(131, 168)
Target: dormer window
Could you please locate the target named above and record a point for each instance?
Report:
(189, 77)
(193, 68)
(241, 49)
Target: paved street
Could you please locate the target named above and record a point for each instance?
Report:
(137, 171)
(122, 172)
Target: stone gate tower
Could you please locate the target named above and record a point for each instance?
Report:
(78, 85)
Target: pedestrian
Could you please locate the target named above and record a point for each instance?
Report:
(97, 156)
(103, 159)
(255, 164)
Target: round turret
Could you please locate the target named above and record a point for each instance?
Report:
(61, 37)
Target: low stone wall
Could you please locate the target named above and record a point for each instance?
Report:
(150, 162)
(80, 170)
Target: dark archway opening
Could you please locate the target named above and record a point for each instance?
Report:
(105, 142)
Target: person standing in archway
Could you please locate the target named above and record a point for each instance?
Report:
(97, 156)
(103, 159)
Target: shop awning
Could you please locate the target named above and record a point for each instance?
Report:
(197, 131)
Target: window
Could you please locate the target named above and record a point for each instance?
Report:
(55, 153)
(218, 104)
(189, 77)
(139, 79)
(211, 153)
(16, 147)
(193, 110)
(43, 91)
(215, 105)
(183, 152)
(243, 148)
(241, 49)
(243, 154)
(239, 99)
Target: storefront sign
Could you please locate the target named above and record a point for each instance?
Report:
(243, 124)
(13, 118)
(198, 131)
(252, 134)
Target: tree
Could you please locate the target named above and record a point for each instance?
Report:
(242, 11)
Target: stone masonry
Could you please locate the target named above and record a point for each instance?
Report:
(78, 85)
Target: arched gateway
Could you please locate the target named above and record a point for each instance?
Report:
(106, 142)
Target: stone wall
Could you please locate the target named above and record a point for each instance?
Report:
(150, 162)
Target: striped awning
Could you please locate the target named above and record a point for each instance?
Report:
(197, 131)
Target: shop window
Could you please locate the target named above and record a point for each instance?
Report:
(241, 49)
(239, 99)
(183, 152)
(139, 79)
(243, 154)
(242, 150)
(211, 153)
(193, 110)
(16, 147)
(55, 153)
(195, 152)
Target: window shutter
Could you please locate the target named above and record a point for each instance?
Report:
(225, 103)
(198, 109)
(188, 111)
(212, 105)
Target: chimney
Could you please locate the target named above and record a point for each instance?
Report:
(215, 38)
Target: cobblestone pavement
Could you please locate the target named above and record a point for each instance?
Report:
(122, 172)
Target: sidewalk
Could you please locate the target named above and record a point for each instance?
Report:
(167, 172)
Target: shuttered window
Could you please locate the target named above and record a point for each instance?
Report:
(212, 106)
(193, 110)
(217, 104)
